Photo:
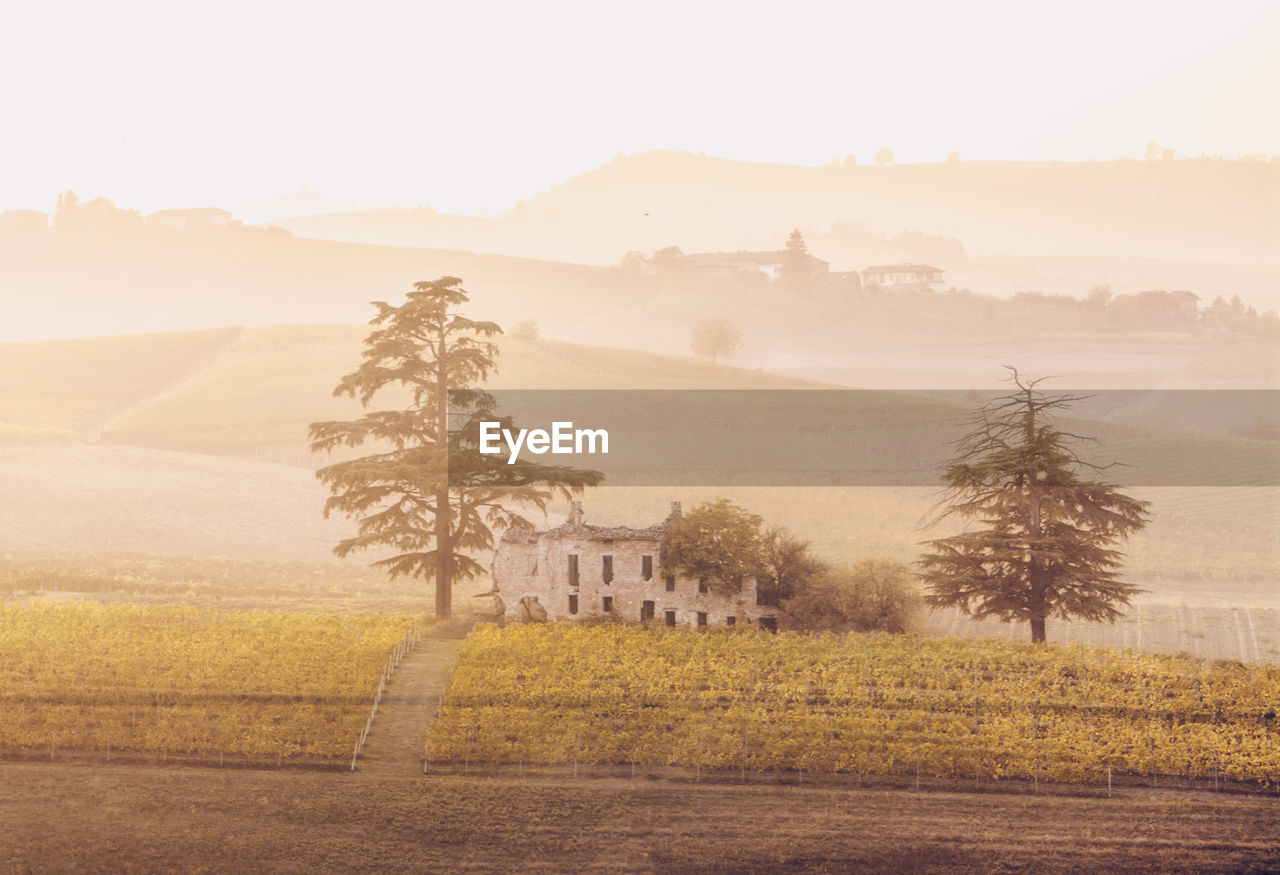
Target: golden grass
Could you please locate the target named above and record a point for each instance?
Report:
(73, 384)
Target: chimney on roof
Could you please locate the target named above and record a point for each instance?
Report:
(676, 513)
(575, 513)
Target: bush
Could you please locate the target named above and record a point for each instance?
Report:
(871, 595)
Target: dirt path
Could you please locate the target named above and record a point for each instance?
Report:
(396, 742)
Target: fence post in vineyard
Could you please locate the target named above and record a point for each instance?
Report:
(393, 661)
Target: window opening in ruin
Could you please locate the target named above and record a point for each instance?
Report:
(671, 583)
(702, 584)
(769, 623)
(646, 567)
(573, 569)
(731, 620)
(607, 603)
(671, 618)
(646, 611)
(573, 604)
(606, 571)
(702, 618)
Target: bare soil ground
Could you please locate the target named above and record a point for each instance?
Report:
(56, 817)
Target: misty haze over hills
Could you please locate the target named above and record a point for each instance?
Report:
(1186, 210)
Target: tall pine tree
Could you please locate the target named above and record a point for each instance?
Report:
(1045, 545)
(427, 494)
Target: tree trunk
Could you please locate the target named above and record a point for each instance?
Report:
(444, 541)
(444, 558)
(1037, 630)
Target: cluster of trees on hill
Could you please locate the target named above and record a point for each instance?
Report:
(819, 302)
(79, 221)
(1157, 308)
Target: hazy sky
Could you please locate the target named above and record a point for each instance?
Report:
(463, 105)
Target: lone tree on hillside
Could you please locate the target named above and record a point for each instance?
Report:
(427, 494)
(714, 339)
(1045, 545)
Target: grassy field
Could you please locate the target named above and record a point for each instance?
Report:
(1204, 544)
(253, 391)
(1234, 627)
(186, 682)
(75, 384)
(332, 587)
(109, 499)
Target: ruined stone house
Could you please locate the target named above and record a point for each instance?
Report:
(575, 571)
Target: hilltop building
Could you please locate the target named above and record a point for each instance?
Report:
(575, 571)
(901, 277)
(191, 218)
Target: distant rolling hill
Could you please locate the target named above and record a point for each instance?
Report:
(1211, 210)
(154, 280)
(65, 283)
(73, 385)
(1207, 225)
(252, 391)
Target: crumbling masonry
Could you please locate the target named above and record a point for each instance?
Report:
(575, 571)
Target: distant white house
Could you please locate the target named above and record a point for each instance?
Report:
(190, 218)
(901, 276)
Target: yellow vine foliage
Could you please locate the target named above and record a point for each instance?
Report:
(862, 704)
(184, 680)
